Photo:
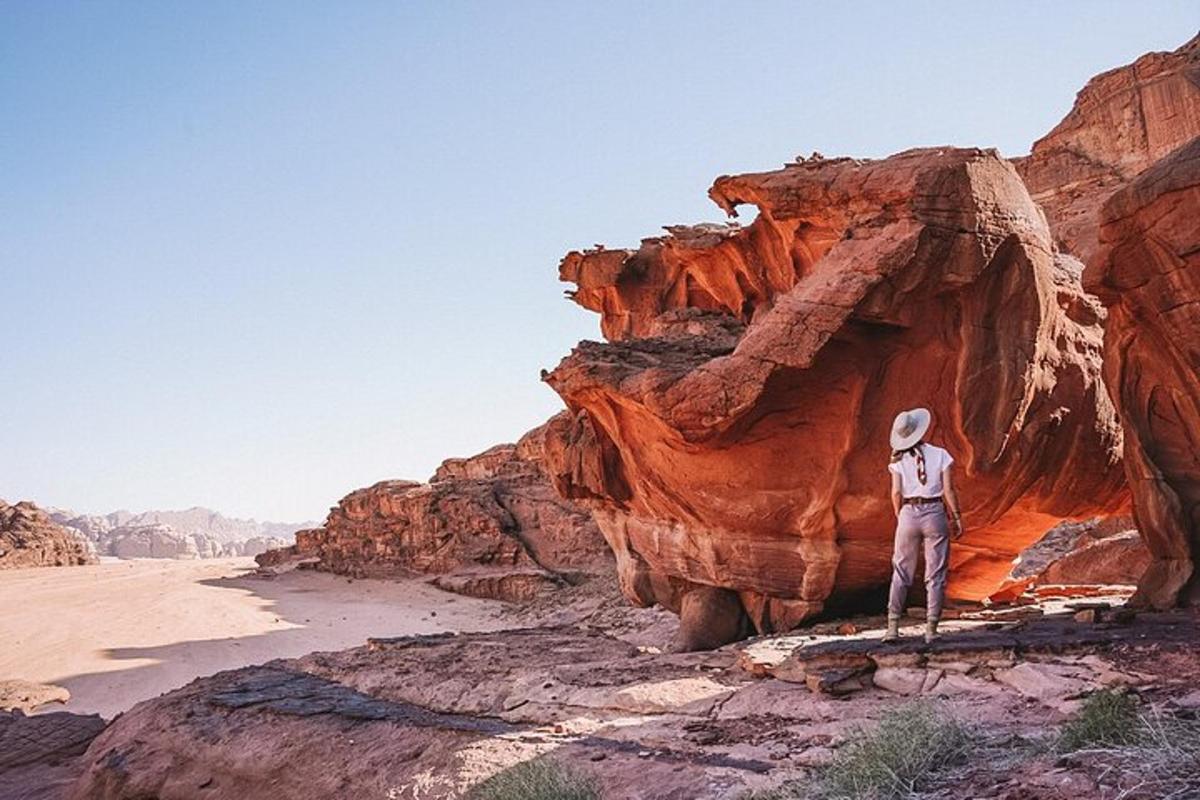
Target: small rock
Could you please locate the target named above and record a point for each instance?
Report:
(847, 629)
(900, 680)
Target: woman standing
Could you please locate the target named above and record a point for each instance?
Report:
(922, 492)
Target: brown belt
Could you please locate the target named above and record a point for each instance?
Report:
(920, 501)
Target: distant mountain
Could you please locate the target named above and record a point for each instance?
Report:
(192, 533)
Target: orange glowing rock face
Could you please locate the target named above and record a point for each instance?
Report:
(734, 432)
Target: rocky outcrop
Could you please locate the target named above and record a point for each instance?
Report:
(491, 525)
(30, 538)
(1147, 272)
(1123, 121)
(734, 432)
(429, 717)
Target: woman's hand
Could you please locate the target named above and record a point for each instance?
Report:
(956, 527)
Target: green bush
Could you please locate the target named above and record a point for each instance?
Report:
(539, 779)
(899, 756)
(1106, 719)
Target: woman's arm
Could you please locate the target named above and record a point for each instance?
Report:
(897, 494)
(951, 498)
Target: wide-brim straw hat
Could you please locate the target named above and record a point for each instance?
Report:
(910, 427)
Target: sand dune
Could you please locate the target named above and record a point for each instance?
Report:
(114, 634)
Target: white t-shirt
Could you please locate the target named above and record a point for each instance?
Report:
(937, 461)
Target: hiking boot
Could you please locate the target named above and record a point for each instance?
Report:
(893, 629)
(931, 631)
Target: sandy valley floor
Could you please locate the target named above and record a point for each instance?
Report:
(117, 633)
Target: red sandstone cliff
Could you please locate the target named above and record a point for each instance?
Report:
(1147, 271)
(491, 525)
(29, 538)
(1123, 121)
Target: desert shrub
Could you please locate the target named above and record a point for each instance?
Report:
(1107, 718)
(1141, 753)
(909, 745)
(903, 753)
(539, 779)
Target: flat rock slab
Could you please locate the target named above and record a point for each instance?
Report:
(300, 694)
(841, 666)
(48, 738)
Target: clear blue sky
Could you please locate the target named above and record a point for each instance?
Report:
(256, 255)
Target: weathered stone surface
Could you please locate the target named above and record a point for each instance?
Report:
(735, 432)
(1147, 272)
(426, 717)
(30, 538)
(39, 755)
(1123, 121)
(492, 524)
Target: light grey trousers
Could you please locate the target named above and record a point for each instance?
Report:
(920, 524)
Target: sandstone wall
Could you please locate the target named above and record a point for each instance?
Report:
(1147, 271)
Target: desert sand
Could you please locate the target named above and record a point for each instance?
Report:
(116, 633)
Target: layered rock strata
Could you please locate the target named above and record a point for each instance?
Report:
(733, 435)
(1123, 121)
(492, 521)
(30, 538)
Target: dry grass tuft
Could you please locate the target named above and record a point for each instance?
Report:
(540, 779)
(895, 759)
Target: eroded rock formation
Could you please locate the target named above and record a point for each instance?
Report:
(493, 521)
(1147, 271)
(29, 538)
(734, 433)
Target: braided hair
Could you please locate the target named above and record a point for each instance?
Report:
(918, 451)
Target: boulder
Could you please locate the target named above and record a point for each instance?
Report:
(1118, 559)
(30, 538)
(733, 433)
